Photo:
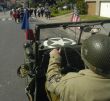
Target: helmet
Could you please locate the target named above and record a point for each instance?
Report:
(95, 52)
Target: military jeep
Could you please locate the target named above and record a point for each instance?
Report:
(36, 54)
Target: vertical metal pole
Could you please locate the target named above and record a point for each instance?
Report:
(37, 38)
(81, 30)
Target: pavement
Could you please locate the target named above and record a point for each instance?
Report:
(4, 14)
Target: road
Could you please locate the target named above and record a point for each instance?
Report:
(11, 56)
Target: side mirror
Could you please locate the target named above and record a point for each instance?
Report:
(95, 30)
(23, 71)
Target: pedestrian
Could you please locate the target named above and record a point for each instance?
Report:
(21, 14)
(90, 84)
(42, 11)
(39, 11)
(11, 13)
(47, 13)
(15, 15)
(35, 11)
(31, 11)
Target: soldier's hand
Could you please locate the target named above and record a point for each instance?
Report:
(55, 52)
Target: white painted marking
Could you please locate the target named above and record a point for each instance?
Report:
(3, 19)
(9, 19)
(58, 41)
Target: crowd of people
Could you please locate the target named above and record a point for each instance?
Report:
(17, 14)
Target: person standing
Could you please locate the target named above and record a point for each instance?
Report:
(35, 11)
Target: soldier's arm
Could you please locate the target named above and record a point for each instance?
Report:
(53, 73)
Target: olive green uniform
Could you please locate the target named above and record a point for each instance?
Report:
(82, 86)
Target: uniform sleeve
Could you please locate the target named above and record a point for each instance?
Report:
(56, 82)
(53, 82)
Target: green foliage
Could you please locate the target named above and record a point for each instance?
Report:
(65, 1)
(61, 12)
(34, 5)
(54, 10)
(57, 10)
(60, 4)
(82, 6)
(88, 17)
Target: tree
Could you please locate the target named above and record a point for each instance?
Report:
(82, 6)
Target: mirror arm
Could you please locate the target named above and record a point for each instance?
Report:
(81, 30)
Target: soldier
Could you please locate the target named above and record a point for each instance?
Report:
(90, 84)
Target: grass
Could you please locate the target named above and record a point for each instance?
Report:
(59, 13)
(88, 17)
(83, 17)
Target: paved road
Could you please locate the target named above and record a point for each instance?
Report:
(11, 56)
(5, 15)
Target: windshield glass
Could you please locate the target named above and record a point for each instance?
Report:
(73, 33)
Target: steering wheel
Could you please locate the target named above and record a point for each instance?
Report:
(70, 52)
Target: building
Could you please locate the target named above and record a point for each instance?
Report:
(98, 7)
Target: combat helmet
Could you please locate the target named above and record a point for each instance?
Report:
(95, 52)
